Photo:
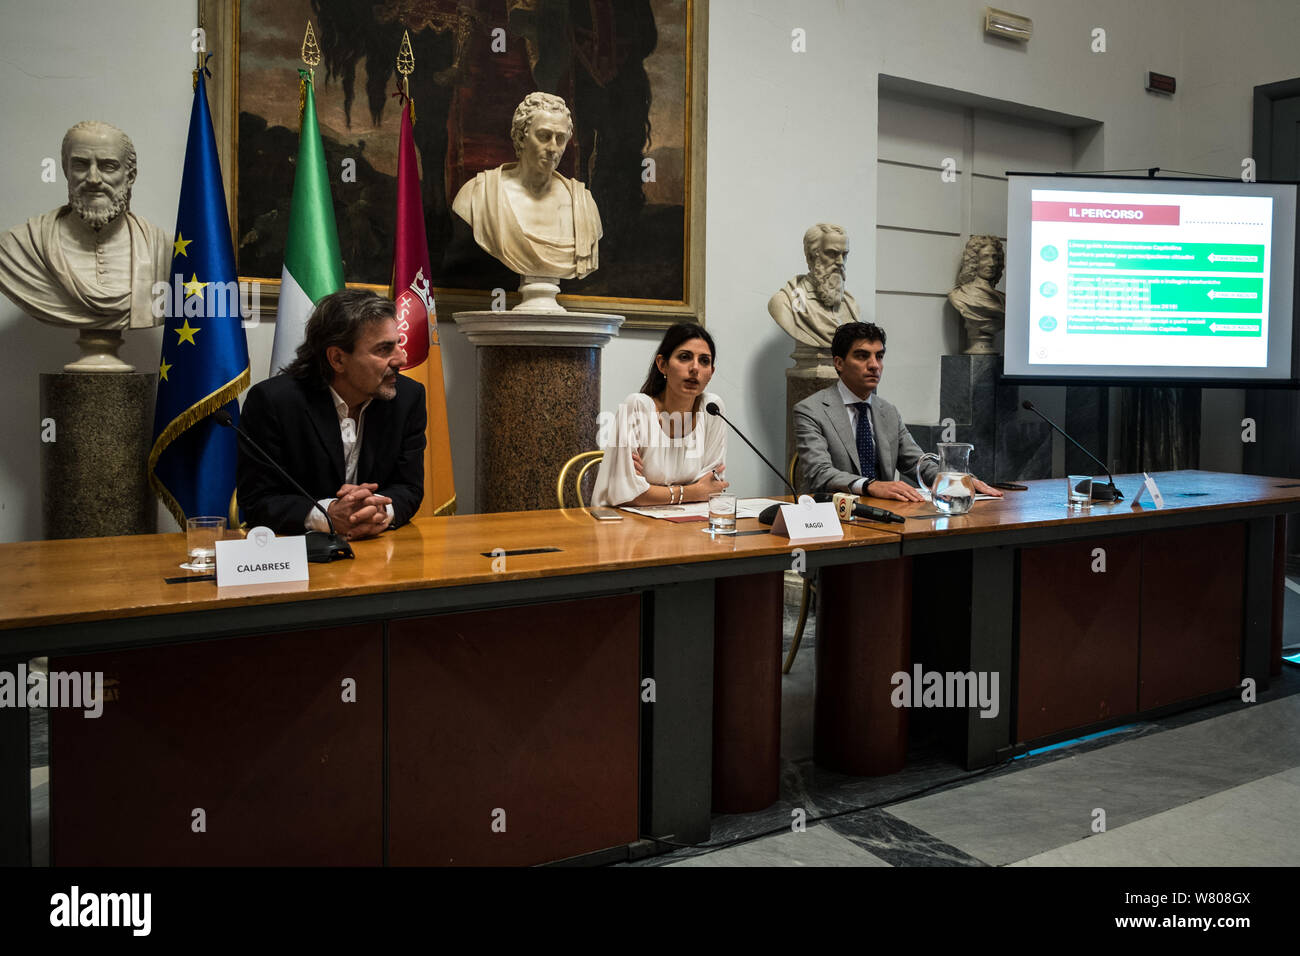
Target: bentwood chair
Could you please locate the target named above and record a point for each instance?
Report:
(583, 462)
(809, 589)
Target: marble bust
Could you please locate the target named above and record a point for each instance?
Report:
(977, 301)
(810, 307)
(526, 215)
(90, 265)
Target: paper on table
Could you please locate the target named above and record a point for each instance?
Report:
(699, 510)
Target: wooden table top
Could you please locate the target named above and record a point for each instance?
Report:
(1043, 504)
(92, 579)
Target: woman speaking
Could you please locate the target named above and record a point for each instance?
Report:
(664, 448)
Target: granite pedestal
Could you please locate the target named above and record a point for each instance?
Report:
(1007, 446)
(812, 371)
(538, 400)
(94, 477)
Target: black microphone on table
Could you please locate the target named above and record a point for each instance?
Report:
(847, 505)
(321, 548)
(768, 514)
(1099, 492)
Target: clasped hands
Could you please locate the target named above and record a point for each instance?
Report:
(357, 512)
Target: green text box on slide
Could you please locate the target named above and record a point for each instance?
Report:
(1166, 294)
(1164, 325)
(1166, 256)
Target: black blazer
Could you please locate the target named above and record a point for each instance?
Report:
(297, 425)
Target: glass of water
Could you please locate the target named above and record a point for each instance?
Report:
(1078, 489)
(201, 536)
(722, 513)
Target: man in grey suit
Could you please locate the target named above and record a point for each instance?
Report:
(849, 438)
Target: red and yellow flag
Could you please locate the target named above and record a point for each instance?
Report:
(417, 322)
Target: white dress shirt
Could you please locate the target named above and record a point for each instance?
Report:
(851, 402)
(351, 433)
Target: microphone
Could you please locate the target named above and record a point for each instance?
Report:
(768, 514)
(847, 505)
(321, 548)
(1099, 492)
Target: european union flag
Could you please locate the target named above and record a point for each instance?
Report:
(204, 363)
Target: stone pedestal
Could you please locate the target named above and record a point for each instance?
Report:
(538, 400)
(812, 371)
(94, 477)
(1009, 444)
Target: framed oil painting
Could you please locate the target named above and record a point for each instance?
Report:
(631, 71)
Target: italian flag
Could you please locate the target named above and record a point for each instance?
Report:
(313, 267)
(417, 322)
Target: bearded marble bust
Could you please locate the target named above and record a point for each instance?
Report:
(811, 306)
(91, 264)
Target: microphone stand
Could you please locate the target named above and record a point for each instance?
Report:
(1099, 492)
(322, 548)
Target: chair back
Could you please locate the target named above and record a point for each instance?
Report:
(578, 465)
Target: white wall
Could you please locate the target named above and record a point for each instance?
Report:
(63, 61)
(791, 141)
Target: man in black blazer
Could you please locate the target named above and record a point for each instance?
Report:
(343, 421)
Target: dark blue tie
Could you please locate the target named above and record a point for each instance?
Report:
(866, 442)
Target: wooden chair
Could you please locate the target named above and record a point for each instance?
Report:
(587, 460)
(809, 588)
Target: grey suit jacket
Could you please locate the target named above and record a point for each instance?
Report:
(828, 448)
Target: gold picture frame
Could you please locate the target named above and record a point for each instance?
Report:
(220, 19)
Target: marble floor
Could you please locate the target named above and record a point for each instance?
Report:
(1193, 789)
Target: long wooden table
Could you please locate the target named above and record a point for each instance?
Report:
(468, 689)
(499, 710)
(1089, 618)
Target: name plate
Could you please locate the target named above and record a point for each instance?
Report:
(262, 558)
(1149, 486)
(808, 521)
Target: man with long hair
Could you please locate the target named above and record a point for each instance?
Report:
(343, 421)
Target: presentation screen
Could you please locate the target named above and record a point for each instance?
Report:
(1186, 281)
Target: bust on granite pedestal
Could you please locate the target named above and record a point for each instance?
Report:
(809, 308)
(976, 299)
(546, 228)
(92, 264)
(526, 215)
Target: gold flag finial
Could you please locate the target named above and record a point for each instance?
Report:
(405, 57)
(406, 66)
(310, 49)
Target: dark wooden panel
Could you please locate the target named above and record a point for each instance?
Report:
(527, 710)
(1192, 612)
(254, 731)
(1079, 635)
(863, 639)
(747, 692)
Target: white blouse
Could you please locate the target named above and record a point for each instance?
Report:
(680, 461)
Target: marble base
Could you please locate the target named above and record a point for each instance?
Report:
(99, 352)
(94, 478)
(1010, 445)
(812, 371)
(538, 400)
